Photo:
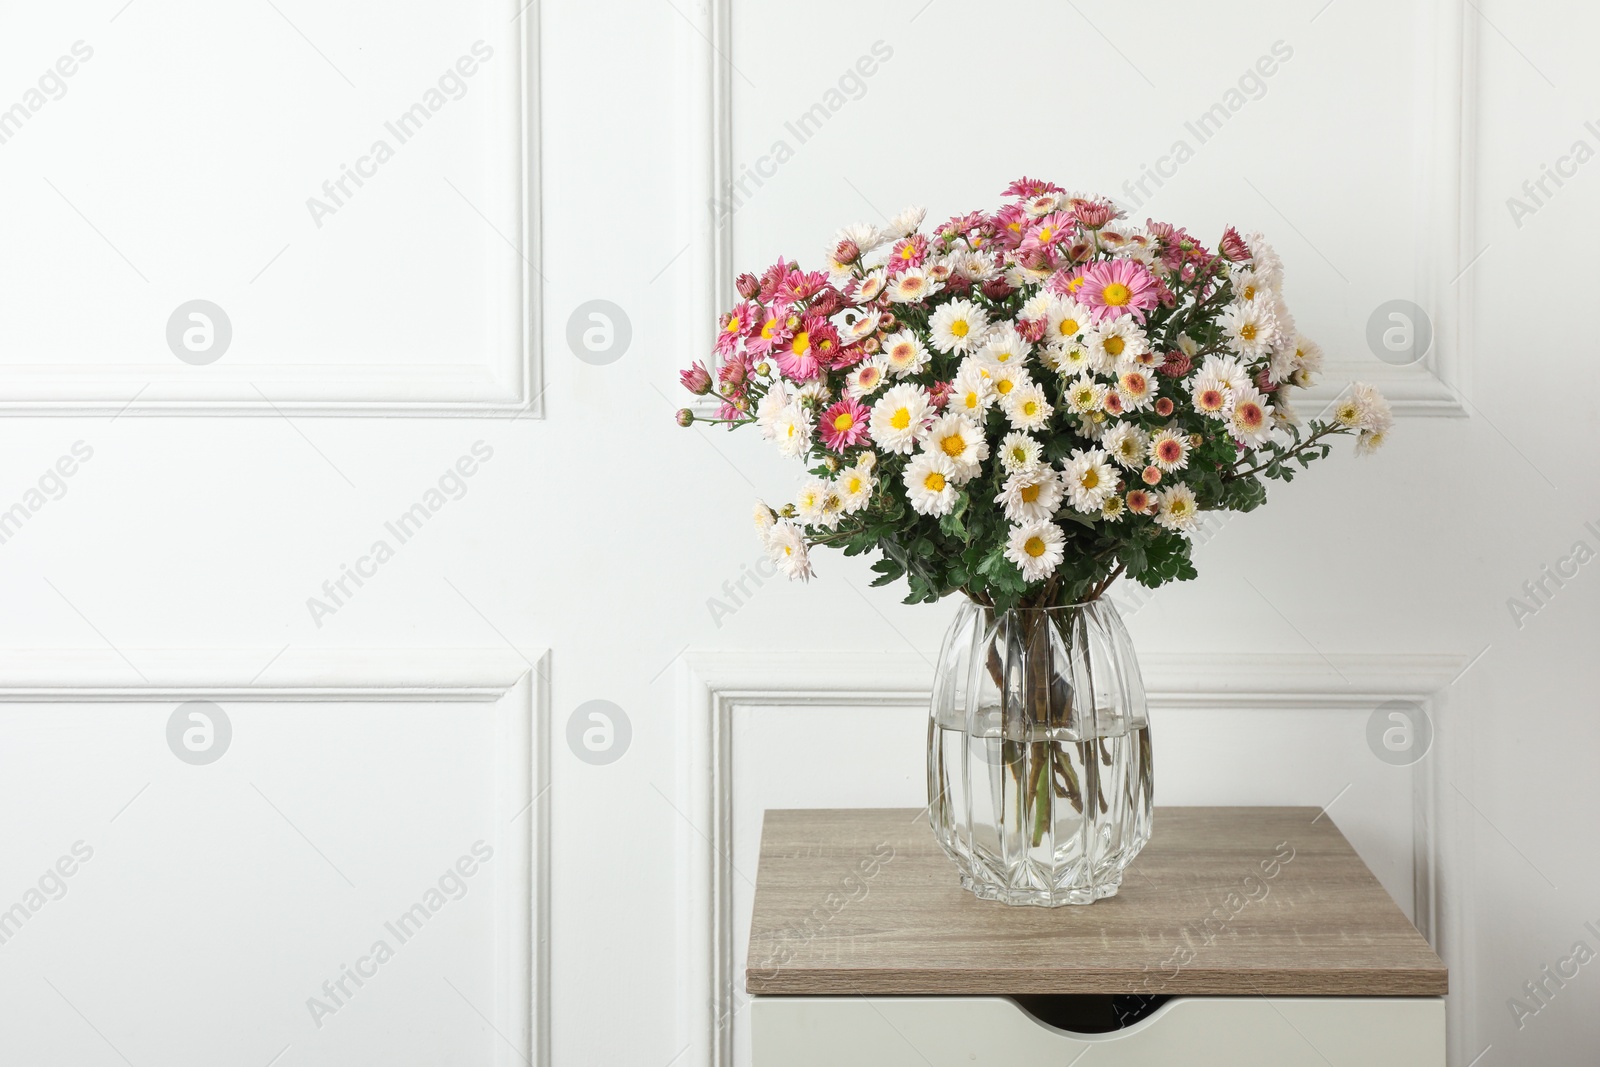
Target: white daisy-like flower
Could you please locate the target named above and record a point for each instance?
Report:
(1369, 441)
(863, 235)
(1247, 284)
(1374, 416)
(813, 394)
(1126, 444)
(1212, 396)
(958, 326)
(866, 378)
(871, 286)
(1065, 320)
(1250, 328)
(1188, 345)
(1031, 495)
(971, 392)
(787, 545)
(961, 441)
(1264, 261)
(1039, 206)
(1227, 372)
(930, 481)
(1085, 395)
(1116, 344)
(1027, 407)
(1169, 450)
(904, 353)
(1251, 417)
(1019, 452)
(910, 286)
(976, 267)
(1137, 388)
(763, 517)
(811, 502)
(1004, 378)
(1089, 478)
(1037, 306)
(908, 222)
(792, 431)
(1114, 508)
(1283, 414)
(1074, 360)
(899, 418)
(1307, 354)
(1004, 346)
(1037, 548)
(854, 486)
(771, 406)
(859, 328)
(1177, 510)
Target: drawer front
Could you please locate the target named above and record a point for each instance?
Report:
(1193, 1031)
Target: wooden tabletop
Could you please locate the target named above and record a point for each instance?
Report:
(1223, 901)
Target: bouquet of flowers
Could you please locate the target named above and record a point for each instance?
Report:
(1025, 404)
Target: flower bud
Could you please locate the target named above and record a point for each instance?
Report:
(847, 251)
(1151, 475)
(696, 379)
(748, 285)
(685, 417)
(1233, 247)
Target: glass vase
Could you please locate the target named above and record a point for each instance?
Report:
(1039, 771)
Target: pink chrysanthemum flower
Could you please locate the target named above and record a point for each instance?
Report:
(844, 425)
(1111, 288)
(908, 252)
(1029, 187)
(816, 342)
(734, 326)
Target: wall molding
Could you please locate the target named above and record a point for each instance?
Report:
(517, 690)
(511, 387)
(712, 684)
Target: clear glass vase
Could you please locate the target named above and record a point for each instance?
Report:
(1039, 772)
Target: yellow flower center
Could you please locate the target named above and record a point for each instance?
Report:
(843, 421)
(802, 343)
(1070, 328)
(1046, 232)
(959, 327)
(1029, 494)
(1019, 455)
(1115, 345)
(972, 401)
(769, 328)
(1249, 292)
(1091, 478)
(953, 446)
(1116, 294)
(909, 251)
(1030, 408)
(934, 482)
(733, 326)
(1003, 386)
(900, 419)
(1034, 546)
(853, 485)
(1248, 331)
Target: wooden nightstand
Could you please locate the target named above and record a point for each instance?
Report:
(1241, 936)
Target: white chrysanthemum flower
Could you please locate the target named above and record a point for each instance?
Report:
(1113, 509)
(813, 394)
(976, 267)
(866, 378)
(1004, 378)
(1126, 444)
(971, 392)
(930, 481)
(1227, 372)
(1039, 206)
(1037, 306)
(960, 440)
(811, 502)
(1089, 478)
(1115, 345)
(958, 326)
(787, 544)
(1037, 548)
(1085, 395)
(871, 286)
(771, 406)
(858, 328)
(1307, 354)
(1169, 450)
(1137, 389)
(792, 431)
(1283, 414)
(899, 418)
(910, 286)
(1249, 327)
(1264, 261)
(1369, 441)
(1177, 510)
(1247, 283)
(763, 517)
(1019, 452)
(1065, 320)
(854, 486)
(1212, 396)
(1251, 417)
(1031, 495)
(1374, 415)
(908, 222)
(904, 353)
(1027, 407)
(864, 235)
(1004, 346)
(1074, 360)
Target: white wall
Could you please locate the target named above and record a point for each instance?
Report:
(182, 554)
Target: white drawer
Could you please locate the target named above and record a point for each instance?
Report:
(1192, 1031)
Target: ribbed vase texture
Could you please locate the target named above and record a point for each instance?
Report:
(1039, 772)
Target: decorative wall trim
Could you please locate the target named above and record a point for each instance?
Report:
(517, 689)
(713, 683)
(512, 388)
